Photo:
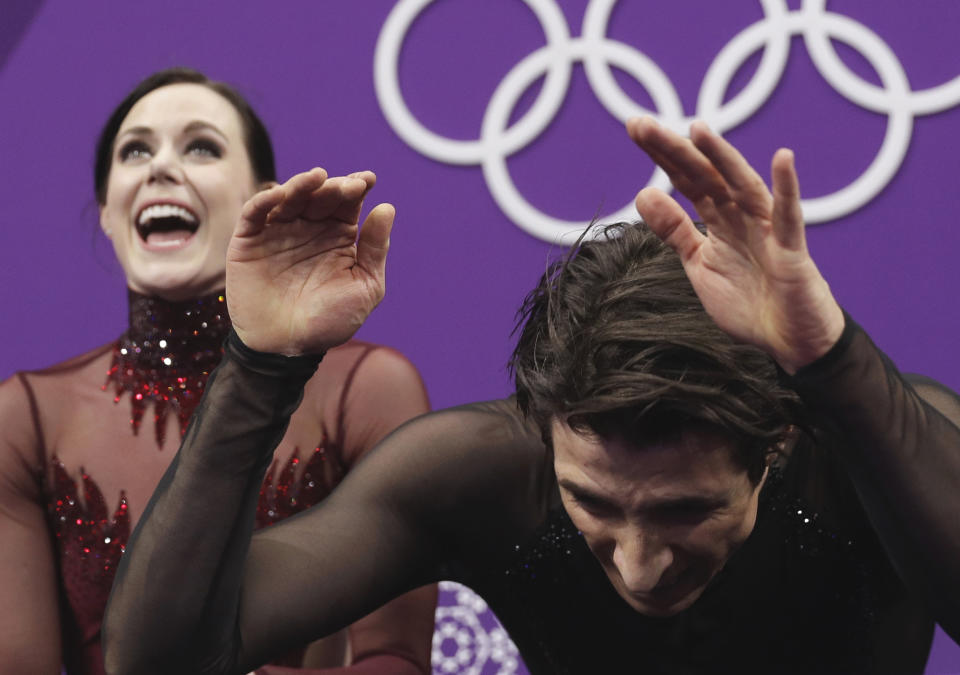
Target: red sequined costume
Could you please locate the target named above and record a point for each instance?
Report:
(84, 443)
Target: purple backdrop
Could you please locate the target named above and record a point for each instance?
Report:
(459, 267)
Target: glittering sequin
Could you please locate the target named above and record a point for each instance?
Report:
(166, 356)
(91, 541)
(804, 588)
(286, 495)
(162, 362)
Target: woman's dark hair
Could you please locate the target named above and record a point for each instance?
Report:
(615, 342)
(256, 137)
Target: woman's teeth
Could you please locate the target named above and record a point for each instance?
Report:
(167, 226)
(167, 239)
(157, 211)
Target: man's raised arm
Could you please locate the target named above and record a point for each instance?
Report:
(756, 279)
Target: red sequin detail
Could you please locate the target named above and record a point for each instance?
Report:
(90, 542)
(166, 356)
(285, 496)
(163, 361)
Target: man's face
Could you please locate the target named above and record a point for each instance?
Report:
(661, 516)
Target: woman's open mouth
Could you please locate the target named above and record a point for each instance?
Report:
(164, 226)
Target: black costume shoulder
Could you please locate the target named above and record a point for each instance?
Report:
(469, 494)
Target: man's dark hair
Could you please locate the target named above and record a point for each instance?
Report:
(256, 138)
(614, 342)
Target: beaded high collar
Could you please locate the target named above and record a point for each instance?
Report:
(166, 356)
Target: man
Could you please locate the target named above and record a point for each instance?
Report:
(744, 518)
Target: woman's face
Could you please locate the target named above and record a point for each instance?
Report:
(179, 177)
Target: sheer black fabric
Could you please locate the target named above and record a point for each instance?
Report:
(84, 443)
(469, 494)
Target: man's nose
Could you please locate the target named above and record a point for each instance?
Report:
(641, 557)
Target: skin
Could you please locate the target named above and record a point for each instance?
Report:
(181, 144)
(302, 276)
(661, 516)
(752, 270)
(184, 144)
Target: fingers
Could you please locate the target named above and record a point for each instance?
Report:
(345, 199)
(670, 222)
(374, 240)
(368, 177)
(296, 193)
(788, 226)
(311, 196)
(253, 217)
(745, 185)
(355, 186)
(690, 171)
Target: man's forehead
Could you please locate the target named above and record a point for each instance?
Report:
(692, 436)
(691, 460)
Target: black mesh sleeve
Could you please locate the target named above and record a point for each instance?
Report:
(195, 594)
(221, 464)
(899, 440)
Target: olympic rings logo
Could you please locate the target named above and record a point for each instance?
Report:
(555, 61)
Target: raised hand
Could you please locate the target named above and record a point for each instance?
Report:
(299, 279)
(751, 270)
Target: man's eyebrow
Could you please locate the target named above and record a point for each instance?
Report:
(665, 504)
(582, 493)
(687, 503)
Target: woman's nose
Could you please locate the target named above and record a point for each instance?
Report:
(165, 167)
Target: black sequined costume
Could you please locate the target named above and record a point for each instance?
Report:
(470, 494)
(80, 454)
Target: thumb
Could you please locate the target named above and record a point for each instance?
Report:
(374, 241)
(669, 221)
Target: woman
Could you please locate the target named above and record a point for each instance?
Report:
(84, 443)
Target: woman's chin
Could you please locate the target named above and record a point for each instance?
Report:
(177, 270)
(176, 284)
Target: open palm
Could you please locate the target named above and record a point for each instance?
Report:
(751, 269)
(302, 275)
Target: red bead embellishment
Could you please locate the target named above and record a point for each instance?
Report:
(90, 543)
(166, 356)
(286, 495)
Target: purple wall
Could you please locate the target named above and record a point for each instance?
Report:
(459, 267)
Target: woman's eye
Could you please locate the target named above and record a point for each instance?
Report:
(134, 150)
(204, 148)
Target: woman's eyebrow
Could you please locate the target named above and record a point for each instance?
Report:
(200, 125)
(192, 127)
(135, 131)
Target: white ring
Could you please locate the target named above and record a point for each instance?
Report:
(435, 146)
(554, 61)
(504, 192)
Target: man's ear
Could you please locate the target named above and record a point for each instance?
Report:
(766, 472)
